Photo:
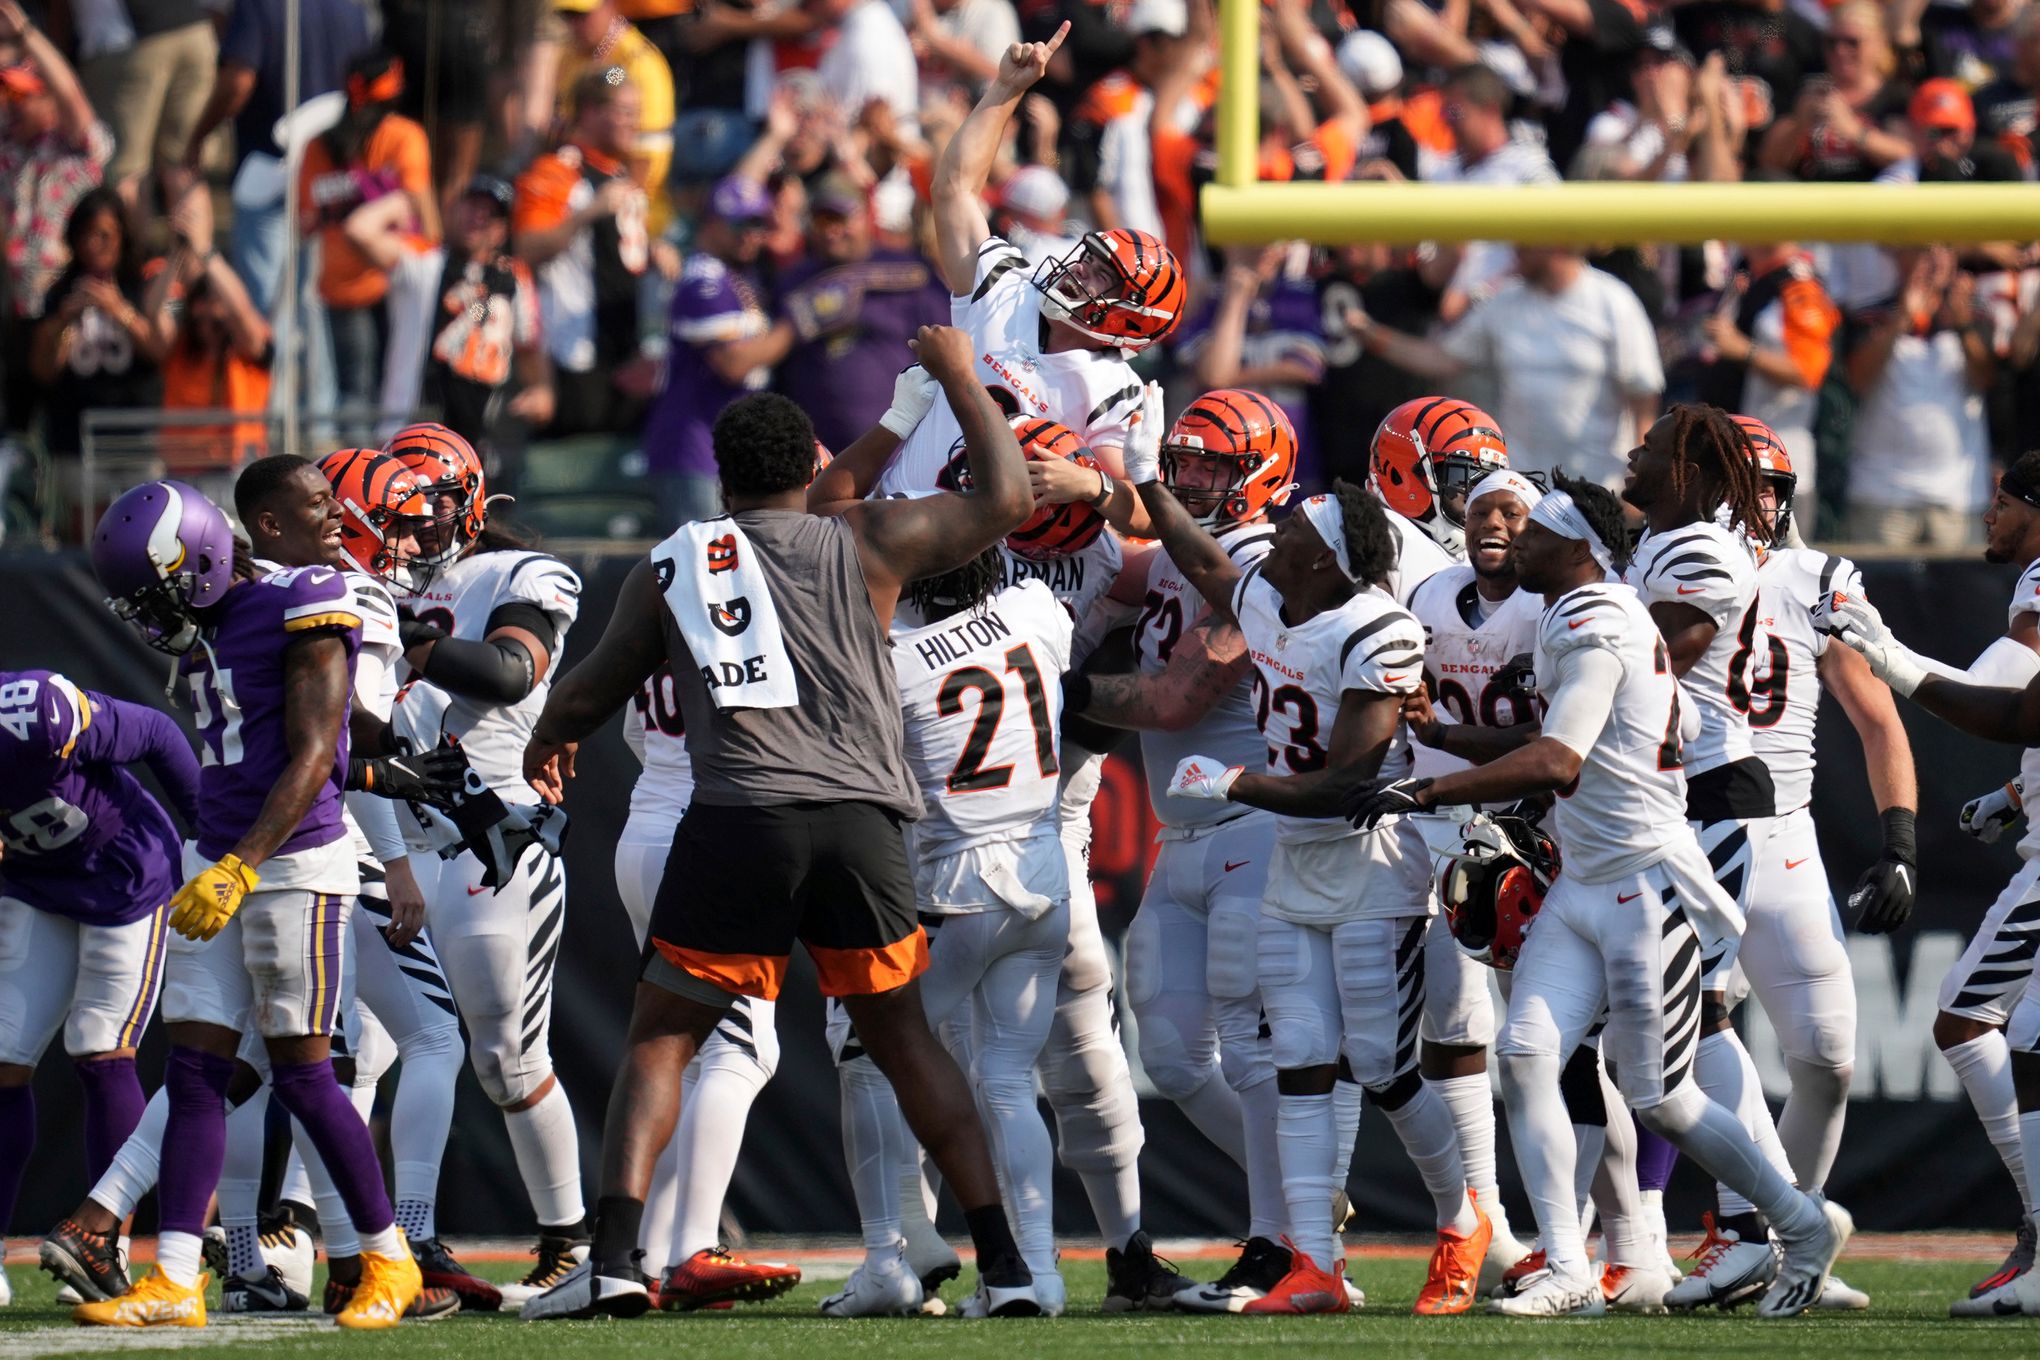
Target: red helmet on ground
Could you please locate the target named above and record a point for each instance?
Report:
(1052, 530)
(1427, 450)
(1230, 455)
(1774, 465)
(1493, 886)
(1121, 287)
(450, 474)
(382, 507)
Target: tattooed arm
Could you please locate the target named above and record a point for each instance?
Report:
(315, 699)
(1208, 662)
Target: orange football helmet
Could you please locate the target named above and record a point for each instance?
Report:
(1428, 450)
(1774, 465)
(1245, 449)
(1052, 530)
(450, 474)
(382, 508)
(1122, 288)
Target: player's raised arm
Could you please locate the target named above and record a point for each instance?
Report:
(966, 162)
(853, 472)
(1982, 710)
(1206, 665)
(1196, 553)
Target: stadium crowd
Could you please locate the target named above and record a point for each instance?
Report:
(610, 217)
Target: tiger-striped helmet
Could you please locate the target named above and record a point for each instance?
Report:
(382, 508)
(1774, 465)
(1429, 451)
(1122, 288)
(1230, 455)
(450, 474)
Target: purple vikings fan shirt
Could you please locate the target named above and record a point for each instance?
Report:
(84, 839)
(237, 695)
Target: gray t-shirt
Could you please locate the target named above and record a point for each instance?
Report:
(845, 740)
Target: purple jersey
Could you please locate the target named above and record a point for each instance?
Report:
(237, 693)
(866, 310)
(84, 839)
(713, 304)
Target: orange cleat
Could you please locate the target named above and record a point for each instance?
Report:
(1307, 1288)
(1454, 1280)
(712, 1278)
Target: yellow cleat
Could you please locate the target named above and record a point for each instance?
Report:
(158, 1301)
(389, 1285)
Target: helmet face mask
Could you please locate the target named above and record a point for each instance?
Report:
(1492, 887)
(1774, 465)
(384, 515)
(161, 614)
(1211, 495)
(163, 552)
(1230, 455)
(449, 475)
(1120, 288)
(1426, 454)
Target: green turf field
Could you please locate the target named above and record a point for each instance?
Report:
(1909, 1318)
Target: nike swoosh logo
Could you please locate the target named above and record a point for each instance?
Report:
(1576, 623)
(1392, 679)
(1691, 590)
(1619, 898)
(1230, 865)
(477, 892)
(1794, 863)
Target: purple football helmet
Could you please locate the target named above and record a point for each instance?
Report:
(163, 551)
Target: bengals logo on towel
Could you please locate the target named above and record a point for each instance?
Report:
(732, 618)
(722, 554)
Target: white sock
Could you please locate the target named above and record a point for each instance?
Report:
(420, 1119)
(1588, 1142)
(1810, 1125)
(1349, 1098)
(1541, 1132)
(918, 1193)
(1654, 1222)
(241, 1186)
(1471, 1101)
(1625, 1231)
(178, 1255)
(1307, 1133)
(880, 1155)
(709, 1136)
(1717, 1140)
(336, 1229)
(386, 1243)
(1425, 1127)
(296, 1185)
(1216, 1109)
(1728, 1077)
(1267, 1210)
(1984, 1066)
(548, 1157)
(132, 1173)
(1114, 1193)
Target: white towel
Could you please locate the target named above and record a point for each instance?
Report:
(712, 583)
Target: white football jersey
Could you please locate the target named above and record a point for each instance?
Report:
(1094, 392)
(1228, 732)
(2026, 600)
(1710, 568)
(1462, 652)
(1784, 685)
(1417, 560)
(460, 599)
(1631, 786)
(1079, 579)
(1301, 673)
(982, 696)
(655, 729)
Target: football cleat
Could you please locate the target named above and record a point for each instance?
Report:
(1547, 1294)
(287, 1246)
(1138, 1280)
(581, 1293)
(1260, 1267)
(1839, 1296)
(431, 1304)
(1994, 1295)
(1728, 1270)
(1009, 1301)
(89, 1262)
(1512, 1278)
(266, 1294)
(1804, 1272)
(1634, 1289)
(1454, 1276)
(1654, 1216)
(1307, 1288)
(880, 1287)
(1356, 1297)
(389, 1285)
(442, 1271)
(557, 1255)
(1505, 1251)
(158, 1301)
(212, 1249)
(935, 1262)
(711, 1276)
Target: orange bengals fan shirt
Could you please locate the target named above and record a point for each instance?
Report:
(198, 382)
(398, 147)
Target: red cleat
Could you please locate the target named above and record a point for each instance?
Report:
(1307, 1288)
(712, 1277)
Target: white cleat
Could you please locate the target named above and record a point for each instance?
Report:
(1804, 1273)
(1260, 1267)
(1634, 1289)
(1006, 1301)
(1504, 1251)
(69, 1297)
(581, 1293)
(1729, 1271)
(2000, 1301)
(934, 1262)
(1356, 1297)
(288, 1247)
(2025, 1292)
(881, 1287)
(1839, 1296)
(1547, 1295)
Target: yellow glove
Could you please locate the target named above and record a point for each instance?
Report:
(203, 906)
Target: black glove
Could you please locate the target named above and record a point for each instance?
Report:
(436, 777)
(413, 631)
(1884, 894)
(1366, 805)
(1517, 682)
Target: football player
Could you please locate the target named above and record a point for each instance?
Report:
(1339, 944)
(1427, 453)
(1629, 917)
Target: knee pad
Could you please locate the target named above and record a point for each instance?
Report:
(1524, 1072)
(1175, 1072)
(1826, 1081)
(1398, 1092)
(1243, 1045)
(1229, 954)
(507, 1072)
(1673, 1114)
(1579, 1084)
(1142, 958)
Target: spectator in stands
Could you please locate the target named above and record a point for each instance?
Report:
(248, 88)
(1941, 136)
(599, 38)
(450, 50)
(147, 65)
(2005, 107)
(1841, 125)
(1372, 64)
(1971, 43)
(711, 128)
(962, 40)
(1261, 332)
(372, 151)
(52, 152)
(1398, 288)
(1032, 211)
(579, 222)
(871, 58)
(1484, 152)
(1572, 357)
(854, 305)
(1145, 153)
(722, 343)
(1919, 464)
(105, 327)
(221, 357)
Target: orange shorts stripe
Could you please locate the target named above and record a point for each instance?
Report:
(759, 975)
(867, 972)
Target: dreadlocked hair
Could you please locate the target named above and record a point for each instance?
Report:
(960, 588)
(1371, 545)
(1707, 438)
(1603, 511)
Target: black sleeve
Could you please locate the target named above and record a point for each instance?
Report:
(529, 617)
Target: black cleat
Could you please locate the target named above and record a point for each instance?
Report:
(89, 1262)
(1136, 1279)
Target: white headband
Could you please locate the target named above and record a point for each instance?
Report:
(1329, 520)
(1515, 483)
(1557, 513)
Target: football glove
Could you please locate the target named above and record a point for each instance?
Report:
(1142, 451)
(1883, 896)
(1203, 777)
(1987, 818)
(436, 777)
(1368, 804)
(913, 393)
(203, 906)
(1856, 623)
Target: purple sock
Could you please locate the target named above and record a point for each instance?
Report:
(17, 1140)
(113, 1106)
(315, 1099)
(194, 1138)
(1655, 1159)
